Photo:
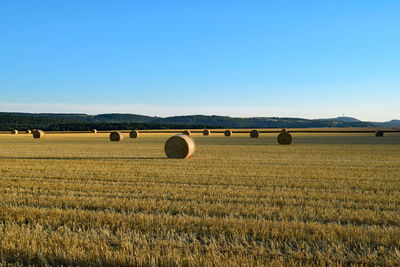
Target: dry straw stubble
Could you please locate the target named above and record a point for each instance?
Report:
(179, 146)
(117, 210)
(116, 136)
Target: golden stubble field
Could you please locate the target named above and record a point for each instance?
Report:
(79, 199)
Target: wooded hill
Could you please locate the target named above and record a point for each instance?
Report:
(84, 122)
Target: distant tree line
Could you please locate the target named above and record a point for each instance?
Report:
(120, 126)
(83, 122)
(56, 124)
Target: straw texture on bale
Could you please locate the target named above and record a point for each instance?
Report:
(134, 134)
(254, 133)
(186, 132)
(116, 136)
(38, 134)
(206, 132)
(284, 138)
(28, 131)
(179, 146)
(13, 131)
(283, 131)
(93, 131)
(228, 133)
(379, 133)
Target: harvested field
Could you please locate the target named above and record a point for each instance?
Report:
(79, 199)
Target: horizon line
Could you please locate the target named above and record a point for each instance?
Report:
(187, 115)
(290, 111)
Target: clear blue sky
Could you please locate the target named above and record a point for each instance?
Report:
(243, 58)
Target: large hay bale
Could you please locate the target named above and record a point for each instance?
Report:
(93, 131)
(228, 133)
(206, 132)
(13, 131)
(38, 134)
(134, 134)
(284, 131)
(28, 131)
(179, 146)
(284, 138)
(378, 133)
(254, 133)
(116, 136)
(186, 132)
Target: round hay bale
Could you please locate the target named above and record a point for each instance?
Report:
(116, 136)
(93, 131)
(186, 132)
(206, 132)
(134, 134)
(284, 138)
(378, 133)
(254, 133)
(228, 133)
(28, 131)
(284, 131)
(179, 146)
(13, 131)
(38, 134)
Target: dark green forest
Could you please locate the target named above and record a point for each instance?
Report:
(84, 122)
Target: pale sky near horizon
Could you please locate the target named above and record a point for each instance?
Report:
(311, 59)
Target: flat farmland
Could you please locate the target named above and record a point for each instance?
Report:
(79, 199)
